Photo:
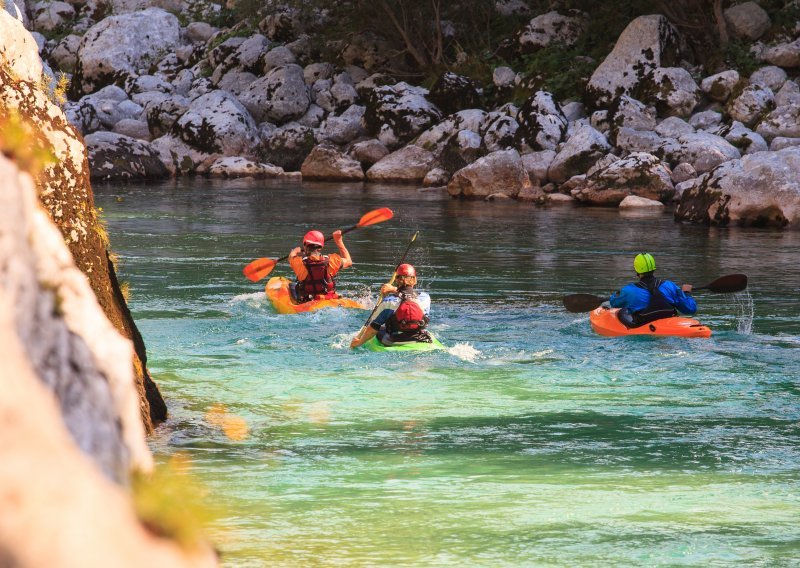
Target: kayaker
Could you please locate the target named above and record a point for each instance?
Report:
(650, 298)
(402, 315)
(315, 272)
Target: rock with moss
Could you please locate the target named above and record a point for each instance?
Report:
(438, 136)
(703, 150)
(180, 158)
(452, 93)
(218, 123)
(280, 96)
(630, 140)
(673, 127)
(406, 165)
(752, 103)
(52, 16)
(671, 90)
(549, 29)
(64, 56)
(328, 163)
(464, 148)
(116, 157)
(542, 124)
(288, 146)
(500, 172)
(247, 56)
(578, 154)
(123, 45)
(627, 112)
(647, 43)
(760, 190)
(162, 113)
(276, 57)
(785, 55)
(747, 141)
(640, 174)
(719, 87)
(501, 132)
(397, 113)
(783, 121)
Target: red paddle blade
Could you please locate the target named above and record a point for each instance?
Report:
(375, 216)
(259, 268)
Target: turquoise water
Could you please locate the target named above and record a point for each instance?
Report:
(531, 441)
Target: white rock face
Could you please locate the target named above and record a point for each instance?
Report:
(703, 151)
(771, 77)
(542, 124)
(501, 133)
(550, 28)
(18, 50)
(674, 91)
(327, 163)
(118, 157)
(761, 189)
(237, 166)
(719, 87)
(537, 165)
(406, 165)
(397, 113)
(578, 154)
(278, 97)
(180, 158)
(638, 174)
(497, 173)
(747, 20)
(124, 45)
(647, 43)
(784, 55)
(218, 123)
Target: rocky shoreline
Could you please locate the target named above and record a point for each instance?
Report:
(155, 97)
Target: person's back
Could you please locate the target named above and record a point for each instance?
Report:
(650, 298)
(315, 272)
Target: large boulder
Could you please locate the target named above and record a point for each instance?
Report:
(345, 127)
(638, 174)
(368, 152)
(784, 55)
(498, 173)
(751, 104)
(783, 121)
(704, 151)
(397, 113)
(551, 28)
(438, 136)
(542, 123)
(761, 189)
(123, 45)
(578, 154)
(115, 157)
(288, 146)
(720, 86)
(501, 133)
(218, 123)
(672, 90)
(747, 21)
(279, 97)
(328, 163)
(647, 43)
(406, 165)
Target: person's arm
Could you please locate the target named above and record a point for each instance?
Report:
(347, 262)
(366, 334)
(619, 299)
(296, 262)
(384, 312)
(682, 299)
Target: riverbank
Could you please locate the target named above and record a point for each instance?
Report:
(533, 441)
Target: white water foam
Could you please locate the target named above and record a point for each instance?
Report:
(254, 299)
(341, 341)
(464, 351)
(744, 312)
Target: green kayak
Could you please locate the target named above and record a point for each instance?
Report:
(375, 345)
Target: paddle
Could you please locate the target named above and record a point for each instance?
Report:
(261, 267)
(394, 276)
(724, 285)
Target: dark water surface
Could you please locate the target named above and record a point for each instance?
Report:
(531, 441)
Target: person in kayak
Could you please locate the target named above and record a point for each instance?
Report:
(402, 315)
(650, 298)
(315, 272)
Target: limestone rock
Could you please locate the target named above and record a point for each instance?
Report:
(496, 173)
(114, 157)
(683, 172)
(237, 166)
(630, 113)
(368, 152)
(328, 163)
(397, 113)
(771, 77)
(551, 28)
(639, 174)
(747, 20)
(578, 154)
(672, 90)
(784, 55)
(279, 97)
(743, 138)
(452, 93)
(788, 95)
(288, 146)
(720, 86)
(217, 123)
(673, 127)
(501, 133)
(761, 189)
(179, 158)
(704, 151)
(133, 128)
(780, 142)
(163, 112)
(542, 124)
(344, 128)
(537, 165)
(636, 202)
(630, 140)
(406, 165)
(647, 43)
(751, 104)
(706, 120)
(783, 121)
(123, 45)
(18, 50)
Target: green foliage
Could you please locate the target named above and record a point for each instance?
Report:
(738, 56)
(22, 143)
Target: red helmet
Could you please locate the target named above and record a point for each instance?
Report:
(314, 238)
(406, 270)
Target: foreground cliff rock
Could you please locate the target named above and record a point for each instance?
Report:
(65, 192)
(70, 411)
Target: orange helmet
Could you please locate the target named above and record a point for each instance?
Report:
(314, 238)
(406, 270)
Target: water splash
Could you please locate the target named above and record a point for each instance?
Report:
(253, 299)
(744, 312)
(464, 351)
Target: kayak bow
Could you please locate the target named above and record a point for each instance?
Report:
(375, 345)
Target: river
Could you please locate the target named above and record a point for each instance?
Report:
(531, 441)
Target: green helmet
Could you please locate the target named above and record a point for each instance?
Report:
(644, 263)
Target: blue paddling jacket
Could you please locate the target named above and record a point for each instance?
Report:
(636, 297)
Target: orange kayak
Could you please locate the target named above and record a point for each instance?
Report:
(605, 322)
(278, 293)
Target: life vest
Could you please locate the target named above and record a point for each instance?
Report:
(408, 322)
(319, 283)
(657, 308)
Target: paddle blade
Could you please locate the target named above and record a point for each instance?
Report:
(578, 303)
(727, 284)
(375, 216)
(259, 268)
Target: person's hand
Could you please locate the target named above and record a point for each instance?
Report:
(295, 251)
(337, 237)
(687, 288)
(387, 289)
(606, 305)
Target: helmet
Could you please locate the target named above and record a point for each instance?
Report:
(644, 263)
(406, 270)
(314, 238)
